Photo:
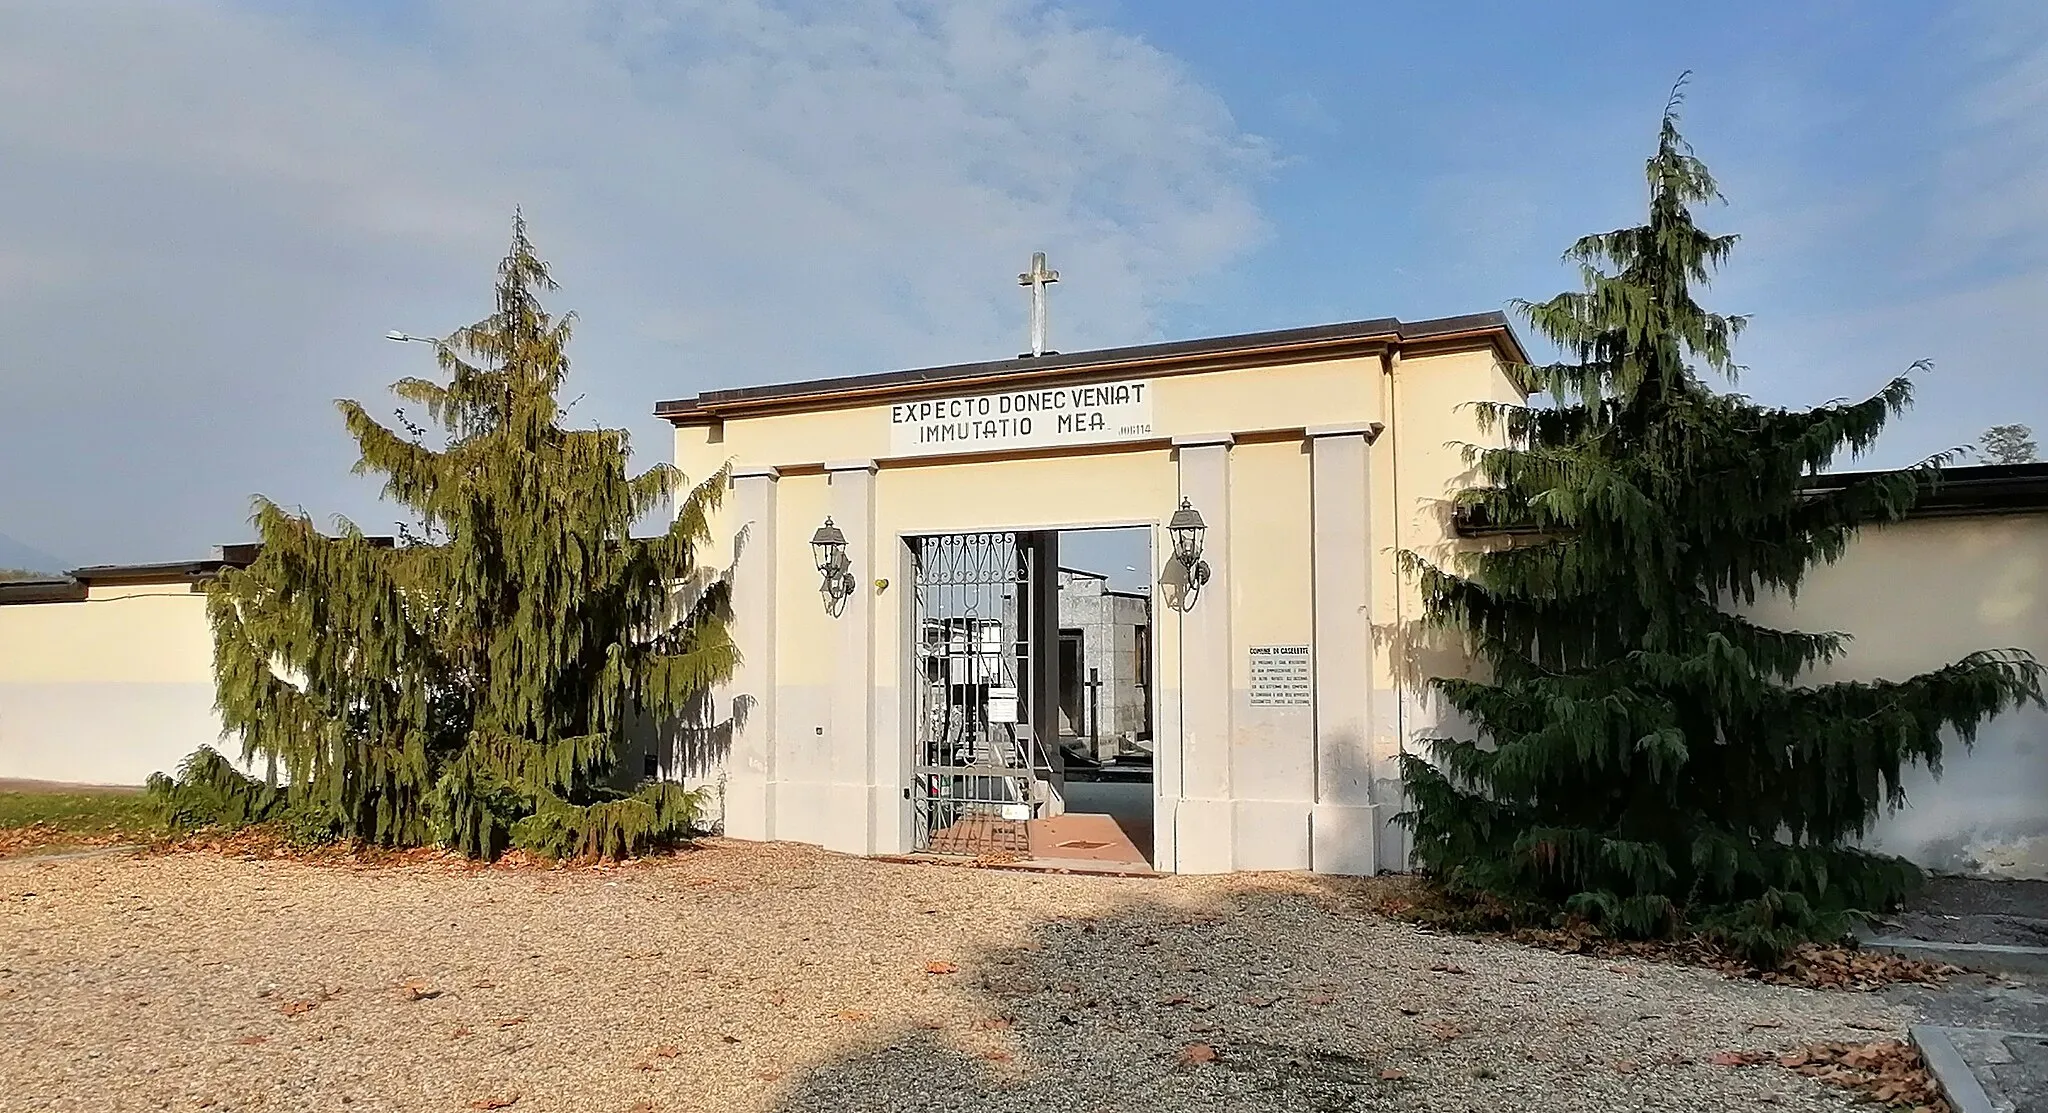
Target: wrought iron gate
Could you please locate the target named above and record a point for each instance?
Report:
(978, 772)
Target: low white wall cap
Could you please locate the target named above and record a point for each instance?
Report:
(1204, 440)
(763, 471)
(850, 465)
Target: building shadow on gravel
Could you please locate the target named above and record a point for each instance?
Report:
(1154, 1007)
(1284, 994)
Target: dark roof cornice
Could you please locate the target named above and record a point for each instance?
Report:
(71, 588)
(1214, 353)
(1960, 492)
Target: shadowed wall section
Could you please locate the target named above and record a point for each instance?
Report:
(1915, 596)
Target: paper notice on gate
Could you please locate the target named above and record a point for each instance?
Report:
(1002, 705)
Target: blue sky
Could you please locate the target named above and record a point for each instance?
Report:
(1861, 145)
(222, 206)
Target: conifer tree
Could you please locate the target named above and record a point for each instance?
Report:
(1647, 758)
(2010, 444)
(473, 686)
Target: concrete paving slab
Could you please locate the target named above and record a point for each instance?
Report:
(1984, 1035)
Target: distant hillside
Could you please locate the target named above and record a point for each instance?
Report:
(21, 556)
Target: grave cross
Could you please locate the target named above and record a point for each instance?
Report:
(1038, 278)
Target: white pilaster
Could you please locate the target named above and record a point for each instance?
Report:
(750, 763)
(1204, 819)
(855, 762)
(1344, 826)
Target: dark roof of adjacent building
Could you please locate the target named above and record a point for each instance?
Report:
(1961, 491)
(1975, 489)
(1320, 341)
(42, 589)
(72, 586)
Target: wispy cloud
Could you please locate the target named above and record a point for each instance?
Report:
(1954, 256)
(221, 207)
(1993, 181)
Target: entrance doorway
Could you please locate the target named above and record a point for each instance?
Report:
(1106, 592)
(1032, 737)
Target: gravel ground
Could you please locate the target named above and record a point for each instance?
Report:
(742, 977)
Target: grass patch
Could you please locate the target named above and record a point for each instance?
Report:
(80, 813)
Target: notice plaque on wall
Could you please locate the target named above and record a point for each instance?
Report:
(1280, 676)
(1044, 418)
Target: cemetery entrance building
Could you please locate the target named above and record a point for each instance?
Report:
(941, 653)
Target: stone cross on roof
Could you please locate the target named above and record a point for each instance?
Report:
(1038, 278)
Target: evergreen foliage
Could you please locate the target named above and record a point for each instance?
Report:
(210, 792)
(474, 685)
(1651, 760)
(2010, 444)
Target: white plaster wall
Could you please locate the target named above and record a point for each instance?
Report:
(102, 733)
(108, 690)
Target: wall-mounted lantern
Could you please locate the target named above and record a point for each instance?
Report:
(1188, 530)
(828, 549)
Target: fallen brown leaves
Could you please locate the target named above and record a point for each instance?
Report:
(1887, 1071)
(416, 989)
(495, 1102)
(1195, 1054)
(44, 836)
(940, 968)
(1812, 966)
(267, 841)
(305, 1005)
(1816, 967)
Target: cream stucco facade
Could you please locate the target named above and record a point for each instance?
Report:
(108, 687)
(1313, 456)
